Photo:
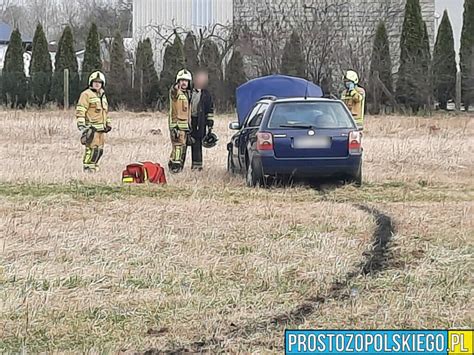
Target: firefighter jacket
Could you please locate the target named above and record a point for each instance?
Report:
(355, 102)
(93, 110)
(180, 110)
(205, 115)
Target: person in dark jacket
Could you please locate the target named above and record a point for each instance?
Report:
(202, 116)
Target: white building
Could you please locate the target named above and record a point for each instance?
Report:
(157, 18)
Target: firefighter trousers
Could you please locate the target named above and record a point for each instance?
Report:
(94, 152)
(178, 152)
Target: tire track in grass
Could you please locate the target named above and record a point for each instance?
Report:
(376, 259)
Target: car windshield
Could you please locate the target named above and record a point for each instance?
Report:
(321, 115)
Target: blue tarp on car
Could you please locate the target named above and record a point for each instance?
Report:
(280, 86)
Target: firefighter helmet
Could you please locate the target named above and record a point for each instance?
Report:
(184, 75)
(352, 76)
(97, 76)
(210, 140)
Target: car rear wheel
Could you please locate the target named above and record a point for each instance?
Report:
(253, 178)
(356, 180)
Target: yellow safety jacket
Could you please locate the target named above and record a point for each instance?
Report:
(93, 110)
(355, 102)
(180, 110)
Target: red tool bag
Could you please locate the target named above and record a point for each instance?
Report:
(139, 173)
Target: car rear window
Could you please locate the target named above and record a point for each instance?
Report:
(322, 115)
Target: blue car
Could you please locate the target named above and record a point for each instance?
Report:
(296, 137)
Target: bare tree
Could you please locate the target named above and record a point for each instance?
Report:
(224, 36)
(263, 38)
(4, 5)
(324, 27)
(16, 16)
(336, 35)
(44, 12)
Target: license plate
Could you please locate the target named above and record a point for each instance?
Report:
(312, 143)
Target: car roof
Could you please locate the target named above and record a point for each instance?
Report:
(297, 99)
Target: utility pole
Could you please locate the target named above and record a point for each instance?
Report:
(141, 86)
(458, 90)
(66, 89)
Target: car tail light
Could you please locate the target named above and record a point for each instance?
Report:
(264, 141)
(355, 143)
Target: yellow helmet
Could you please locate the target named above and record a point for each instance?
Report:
(97, 76)
(184, 75)
(352, 76)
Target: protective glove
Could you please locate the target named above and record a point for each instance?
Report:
(107, 129)
(87, 135)
(210, 124)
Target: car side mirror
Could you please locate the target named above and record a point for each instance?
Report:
(235, 126)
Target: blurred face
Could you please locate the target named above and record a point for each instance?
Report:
(201, 80)
(183, 84)
(97, 85)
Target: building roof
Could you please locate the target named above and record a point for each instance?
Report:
(6, 32)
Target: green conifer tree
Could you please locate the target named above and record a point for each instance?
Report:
(427, 85)
(292, 61)
(380, 69)
(413, 75)
(92, 59)
(41, 68)
(118, 83)
(66, 59)
(15, 86)
(467, 54)
(211, 61)
(235, 75)
(444, 64)
(173, 61)
(139, 77)
(191, 54)
(146, 77)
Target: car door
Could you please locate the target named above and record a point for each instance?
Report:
(239, 142)
(249, 133)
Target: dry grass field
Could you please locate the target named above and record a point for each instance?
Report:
(207, 264)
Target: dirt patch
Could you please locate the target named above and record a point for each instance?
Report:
(378, 257)
(376, 260)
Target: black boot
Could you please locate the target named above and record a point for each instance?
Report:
(175, 168)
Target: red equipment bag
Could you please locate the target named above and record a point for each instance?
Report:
(139, 173)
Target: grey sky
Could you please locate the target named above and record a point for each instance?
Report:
(455, 10)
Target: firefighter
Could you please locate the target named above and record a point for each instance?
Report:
(93, 120)
(179, 119)
(354, 96)
(202, 117)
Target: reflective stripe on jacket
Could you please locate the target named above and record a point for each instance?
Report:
(355, 102)
(180, 111)
(93, 110)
